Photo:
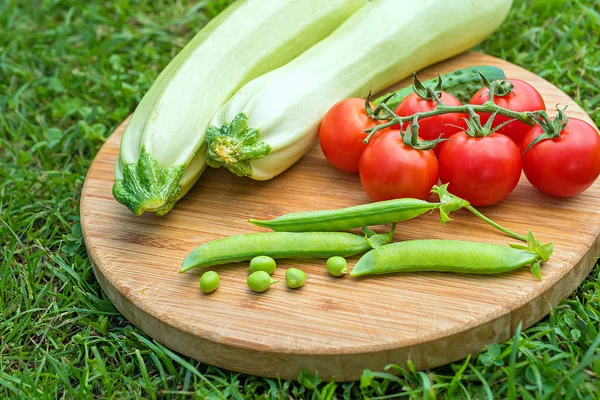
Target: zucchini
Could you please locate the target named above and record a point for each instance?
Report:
(462, 83)
(273, 121)
(158, 161)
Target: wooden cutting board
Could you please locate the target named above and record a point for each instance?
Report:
(336, 326)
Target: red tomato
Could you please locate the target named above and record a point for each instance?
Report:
(342, 131)
(389, 169)
(431, 128)
(523, 97)
(566, 165)
(482, 170)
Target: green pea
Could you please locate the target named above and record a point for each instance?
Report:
(209, 282)
(262, 263)
(260, 281)
(295, 278)
(337, 266)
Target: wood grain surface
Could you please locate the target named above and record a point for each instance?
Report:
(337, 326)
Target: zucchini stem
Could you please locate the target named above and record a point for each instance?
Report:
(234, 146)
(148, 187)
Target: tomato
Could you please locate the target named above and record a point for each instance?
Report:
(481, 170)
(523, 97)
(566, 165)
(342, 132)
(432, 127)
(389, 169)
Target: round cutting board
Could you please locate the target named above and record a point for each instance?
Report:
(336, 326)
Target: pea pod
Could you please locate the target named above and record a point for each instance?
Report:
(450, 256)
(378, 213)
(283, 245)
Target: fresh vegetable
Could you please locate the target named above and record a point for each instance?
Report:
(561, 157)
(377, 213)
(571, 168)
(209, 282)
(342, 131)
(450, 256)
(391, 169)
(281, 245)
(438, 126)
(161, 152)
(383, 112)
(295, 278)
(273, 121)
(262, 263)
(462, 83)
(260, 281)
(513, 94)
(479, 165)
(337, 266)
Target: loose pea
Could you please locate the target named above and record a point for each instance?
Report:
(262, 263)
(260, 281)
(295, 278)
(337, 266)
(209, 282)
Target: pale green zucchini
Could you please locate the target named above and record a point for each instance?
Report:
(157, 163)
(273, 121)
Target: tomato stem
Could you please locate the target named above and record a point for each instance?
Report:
(488, 107)
(552, 128)
(498, 88)
(427, 92)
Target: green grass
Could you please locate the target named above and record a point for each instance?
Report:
(70, 71)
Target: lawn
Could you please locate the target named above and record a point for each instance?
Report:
(70, 72)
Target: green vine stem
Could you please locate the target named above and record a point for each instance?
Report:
(496, 87)
(552, 128)
(488, 107)
(543, 250)
(448, 198)
(495, 225)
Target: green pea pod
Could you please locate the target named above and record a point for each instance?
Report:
(444, 256)
(281, 245)
(378, 213)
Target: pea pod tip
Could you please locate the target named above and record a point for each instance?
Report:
(356, 272)
(257, 222)
(187, 265)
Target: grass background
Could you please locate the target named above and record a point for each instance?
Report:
(70, 72)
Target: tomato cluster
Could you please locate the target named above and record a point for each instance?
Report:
(480, 163)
